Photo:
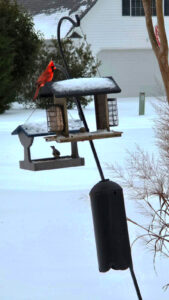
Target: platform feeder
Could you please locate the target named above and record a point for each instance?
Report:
(54, 95)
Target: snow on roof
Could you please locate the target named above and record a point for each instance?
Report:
(83, 84)
(35, 128)
(46, 14)
(47, 24)
(80, 87)
(40, 6)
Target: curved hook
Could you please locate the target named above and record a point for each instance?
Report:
(62, 69)
(80, 110)
(75, 24)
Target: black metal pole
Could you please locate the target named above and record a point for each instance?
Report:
(82, 117)
(135, 283)
(79, 107)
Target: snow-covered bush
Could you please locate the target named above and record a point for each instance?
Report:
(147, 180)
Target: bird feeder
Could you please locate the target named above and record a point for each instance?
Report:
(112, 240)
(96, 87)
(57, 120)
(58, 125)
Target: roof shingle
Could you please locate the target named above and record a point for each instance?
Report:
(50, 6)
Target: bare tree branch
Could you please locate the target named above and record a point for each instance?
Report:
(147, 180)
(161, 51)
(150, 28)
(161, 27)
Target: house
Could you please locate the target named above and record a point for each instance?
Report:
(118, 36)
(46, 14)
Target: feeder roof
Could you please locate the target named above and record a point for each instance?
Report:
(80, 87)
(31, 131)
(40, 128)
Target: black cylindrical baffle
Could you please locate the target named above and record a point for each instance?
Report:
(110, 225)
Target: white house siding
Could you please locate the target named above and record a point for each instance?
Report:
(107, 30)
(134, 70)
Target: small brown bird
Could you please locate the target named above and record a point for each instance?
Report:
(55, 152)
(82, 129)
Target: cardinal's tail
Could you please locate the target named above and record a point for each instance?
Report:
(36, 93)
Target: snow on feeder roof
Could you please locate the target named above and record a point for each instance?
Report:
(80, 87)
(41, 129)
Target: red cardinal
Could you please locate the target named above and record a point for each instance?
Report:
(46, 76)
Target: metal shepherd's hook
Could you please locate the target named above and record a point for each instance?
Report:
(79, 107)
(97, 198)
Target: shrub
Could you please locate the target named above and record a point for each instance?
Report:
(7, 93)
(79, 59)
(19, 47)
(147, 178)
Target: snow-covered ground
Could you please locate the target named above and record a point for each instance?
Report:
(47, 246)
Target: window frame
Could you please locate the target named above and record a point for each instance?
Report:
(127, 9)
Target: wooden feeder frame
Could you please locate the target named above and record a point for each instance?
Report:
(102, 125)
(101, 111)
(49, 163)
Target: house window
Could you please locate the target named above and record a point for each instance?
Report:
(135, 8)
(166, 8)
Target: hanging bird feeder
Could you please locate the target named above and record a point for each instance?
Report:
(57, 120)
(58, 125)
(109, 217)
(97, 87)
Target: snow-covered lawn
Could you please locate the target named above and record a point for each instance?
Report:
(47, 246)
